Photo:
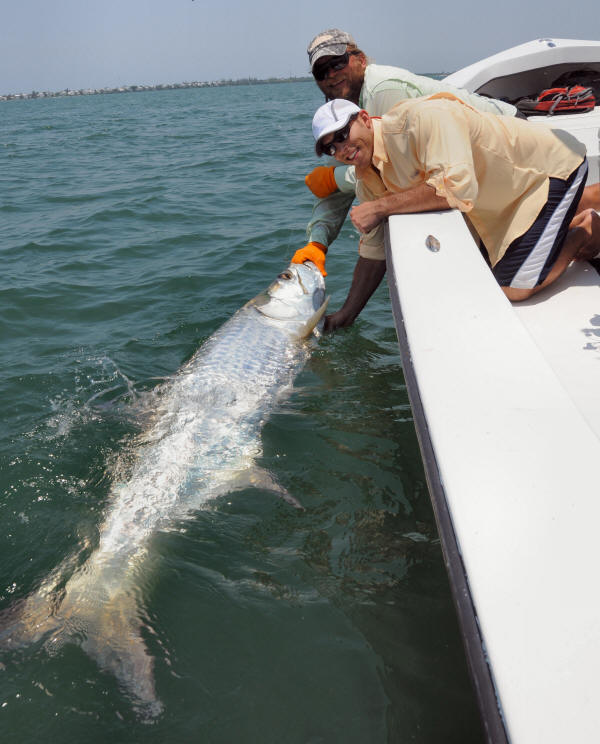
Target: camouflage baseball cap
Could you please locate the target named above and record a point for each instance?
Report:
(330, 43)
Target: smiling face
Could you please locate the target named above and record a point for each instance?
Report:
(357, 148)
(345, 82)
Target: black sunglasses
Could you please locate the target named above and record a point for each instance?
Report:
(340, 136)
(334, 64)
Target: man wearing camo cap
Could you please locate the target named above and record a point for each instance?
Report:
(342, 70)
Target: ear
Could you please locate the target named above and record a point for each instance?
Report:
(365, 119)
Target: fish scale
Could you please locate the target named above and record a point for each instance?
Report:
(202, 443)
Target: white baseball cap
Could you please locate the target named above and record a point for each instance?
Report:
(331, 117)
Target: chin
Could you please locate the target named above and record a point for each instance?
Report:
(341, 92)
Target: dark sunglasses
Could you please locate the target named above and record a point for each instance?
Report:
(334, 64)
(340, 136)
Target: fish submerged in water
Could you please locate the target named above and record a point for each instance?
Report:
(203, 443)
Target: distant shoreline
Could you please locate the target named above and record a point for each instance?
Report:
(67, 92)
(143, 88)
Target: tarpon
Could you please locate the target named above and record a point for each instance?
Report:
(203, 442)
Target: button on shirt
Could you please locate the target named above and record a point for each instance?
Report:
(495, 169)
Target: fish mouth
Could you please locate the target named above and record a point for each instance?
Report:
(291, 309)
(313, 268)
(281, 311)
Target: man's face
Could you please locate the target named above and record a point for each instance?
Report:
(357, 148)
(346, 82)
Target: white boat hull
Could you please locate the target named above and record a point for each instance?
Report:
(506, 400)
(515, 464)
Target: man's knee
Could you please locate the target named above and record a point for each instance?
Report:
(588, 225)
(517, 295)
(590, 199)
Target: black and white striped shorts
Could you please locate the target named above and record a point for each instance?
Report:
(529, 258)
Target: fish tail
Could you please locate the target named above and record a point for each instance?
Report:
(110, 632)
(113, 638)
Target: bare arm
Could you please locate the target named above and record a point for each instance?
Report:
(368, 274)
(421, 198)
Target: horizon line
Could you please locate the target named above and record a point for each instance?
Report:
(70, 92)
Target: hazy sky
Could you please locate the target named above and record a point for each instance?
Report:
(57, 44)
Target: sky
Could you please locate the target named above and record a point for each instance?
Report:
(50, 45)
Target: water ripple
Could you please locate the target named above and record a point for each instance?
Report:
(133, 226)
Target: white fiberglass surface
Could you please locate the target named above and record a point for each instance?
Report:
(518, 464)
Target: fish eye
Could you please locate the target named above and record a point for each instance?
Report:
(287, 274)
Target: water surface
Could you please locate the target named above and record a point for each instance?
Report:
(133, 225)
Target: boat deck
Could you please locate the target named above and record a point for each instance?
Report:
(508, 417)
(564, 321)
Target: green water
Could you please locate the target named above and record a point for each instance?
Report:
(133, 226)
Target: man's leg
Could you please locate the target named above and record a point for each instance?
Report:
(590, 199)
(573, 243)
(541, 255)
(588, 222)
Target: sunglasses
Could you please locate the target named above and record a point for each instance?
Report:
(332, 65)
(340, 136)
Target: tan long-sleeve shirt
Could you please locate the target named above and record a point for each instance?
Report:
(493, 168)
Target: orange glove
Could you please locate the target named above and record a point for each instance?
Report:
(321, 181)
(314, 252)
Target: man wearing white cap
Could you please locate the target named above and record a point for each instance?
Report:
(518, 186)
(342, 70)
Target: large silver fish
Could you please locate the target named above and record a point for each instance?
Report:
(203, 442)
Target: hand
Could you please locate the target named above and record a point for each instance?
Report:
(321, 181)
(368, 274)
(337, 320)
(366, 216)
(314, 252)
(588, 222)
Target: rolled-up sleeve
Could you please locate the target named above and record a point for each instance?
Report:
(328, 217)
(345, 178)
(433, 144)
(443, 145)
(455, 183)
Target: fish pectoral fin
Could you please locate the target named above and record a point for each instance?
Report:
(28, 621)
(312, 323)
(258, 477)
(35, 617)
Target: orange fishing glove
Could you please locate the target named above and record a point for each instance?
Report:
(321, 181)
(314, 252)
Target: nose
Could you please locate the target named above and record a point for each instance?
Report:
(341, 147)
(332, 71)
